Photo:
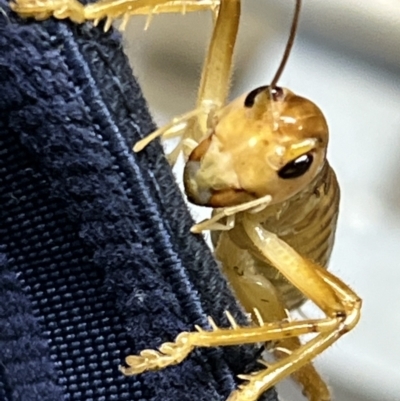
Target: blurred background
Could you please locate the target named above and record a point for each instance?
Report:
(347, 60)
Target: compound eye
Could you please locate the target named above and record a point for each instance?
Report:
(297, 167)
(251, 97)
(276, 94)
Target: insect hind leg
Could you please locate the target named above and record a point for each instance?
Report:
(340, 304)
(256, 292)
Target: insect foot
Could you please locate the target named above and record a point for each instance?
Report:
(174, 353)
(43, 9)
(250, 390)
(168, 354)
(110, 10)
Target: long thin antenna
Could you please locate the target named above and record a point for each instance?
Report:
(289, 44)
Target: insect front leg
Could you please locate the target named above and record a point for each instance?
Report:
(214, 84)
(175, 128)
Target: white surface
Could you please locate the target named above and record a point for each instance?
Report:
(364, 149)
(362, 104)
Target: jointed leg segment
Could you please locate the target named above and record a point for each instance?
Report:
(173, 353)
(213, 223)
(173, 129)
(215, 79)
(109, 9)
(340, 304)
(217, 68)
(255, 290)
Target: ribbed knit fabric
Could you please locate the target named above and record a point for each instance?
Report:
(96, 258)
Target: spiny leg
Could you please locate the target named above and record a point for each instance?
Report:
(77, 12)
(340, 304)
(314, 387)
(215, 78)
(335, 298)
(110, 9)
(173, 7)
(115, 9)
(259, 382)
(174, 353)
(256, 292)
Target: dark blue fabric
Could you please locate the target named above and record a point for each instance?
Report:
(97, 261)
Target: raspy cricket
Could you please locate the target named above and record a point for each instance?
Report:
(260, 162)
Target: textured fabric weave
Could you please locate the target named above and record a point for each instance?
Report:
(96, 259)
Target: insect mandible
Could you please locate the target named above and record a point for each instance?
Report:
(260, 162)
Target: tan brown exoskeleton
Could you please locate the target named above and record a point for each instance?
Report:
(260, 162)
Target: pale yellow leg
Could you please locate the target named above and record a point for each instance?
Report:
(109, 9)
(340, 304)
(255, 291)
(174, 129)
(171, 130)
(188, 145)
(314, 386)
(213, 222)
(172, 157)
(215, 78)
(327, 291)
